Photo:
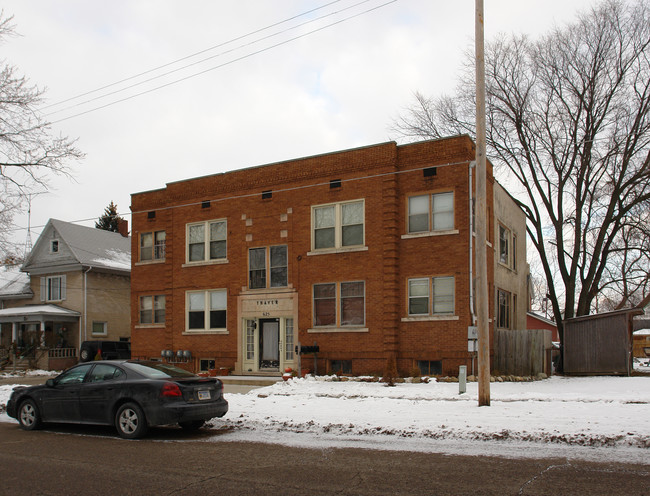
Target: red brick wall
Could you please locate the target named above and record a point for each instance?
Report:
(384, 176)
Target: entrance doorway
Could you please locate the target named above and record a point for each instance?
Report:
(269, 345)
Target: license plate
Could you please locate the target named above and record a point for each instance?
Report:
(204, 395)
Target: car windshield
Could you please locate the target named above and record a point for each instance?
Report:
(156, 370)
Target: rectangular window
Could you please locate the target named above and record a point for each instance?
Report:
(152, 246)
(443, 295)
(340, 367)
(100, 328)
(206, 364)
(430, 367)
(433, 212)
(325, 304)
(206, 310)
(152, 309)
(418, 296)
(441, 300)
(206, 241)
(503, 309)
(514, 252)
(288, 340)
(338, 225)
(351, 304)
(54, 246)
(275, 258)
(504, 240)
(53, 288)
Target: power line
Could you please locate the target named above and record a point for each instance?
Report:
(187, 57)
(238, 59)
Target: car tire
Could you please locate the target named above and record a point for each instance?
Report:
(130, 421)
(193, 425)
(29, 417)
(84, 355)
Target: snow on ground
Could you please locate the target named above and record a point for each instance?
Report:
(600, 418)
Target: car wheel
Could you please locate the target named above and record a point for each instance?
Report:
(84, 355)
(130, 422)
(192, 425)
(29, 417)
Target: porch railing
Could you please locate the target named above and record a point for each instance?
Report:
(62, 353)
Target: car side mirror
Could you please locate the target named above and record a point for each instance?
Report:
(50, 383)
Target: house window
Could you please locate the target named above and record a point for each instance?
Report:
(206, 310)
(338, 225)
(427, 213)
(100, 328)
(340, 367)
(152, 245)
(206, 365)
(350, 309)
(504, 242)
(53, 288)
(54, 246)
(441, 300)
(275, 258)
(503, 309)
(430, 367)
(206, 241)
(152, 309)
(514, 252)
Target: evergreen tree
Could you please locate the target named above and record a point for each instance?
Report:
(110, 220)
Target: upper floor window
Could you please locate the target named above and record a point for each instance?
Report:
(53, 288)
(268, 267)
(206, 310)
(507, 247)
(338, 225)
(433, 212)
(152, 309)
(54, 246)
(206, 241)
(431, 296)
(152, 245)
(339, 304)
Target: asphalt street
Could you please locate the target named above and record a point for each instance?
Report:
(93, 461)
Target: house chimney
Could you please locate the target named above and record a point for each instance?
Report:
(123, 227)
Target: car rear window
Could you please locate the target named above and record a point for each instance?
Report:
(155, 370)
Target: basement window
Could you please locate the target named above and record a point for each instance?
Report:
(429, 368)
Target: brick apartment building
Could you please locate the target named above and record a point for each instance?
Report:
(364, 252)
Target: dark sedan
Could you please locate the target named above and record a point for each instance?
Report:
(131, 395)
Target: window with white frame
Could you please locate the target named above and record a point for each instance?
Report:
(428, 213)
(268, 267)
(338, 225)
(339, 304)
(206, 310)
(431, 296)
(100, 328)
(53, 288)
(152, 246)
(206, 241)
(152, 309)
(504, 300)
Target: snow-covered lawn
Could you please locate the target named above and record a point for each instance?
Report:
(602, 418)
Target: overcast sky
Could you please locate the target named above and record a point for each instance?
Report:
(338, 85)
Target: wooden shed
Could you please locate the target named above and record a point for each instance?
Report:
(599, 344)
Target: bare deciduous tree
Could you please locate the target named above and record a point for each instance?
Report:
(29, 151)
(568, 126)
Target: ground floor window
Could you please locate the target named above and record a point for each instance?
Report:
(100, 328)
(504, 302)
(206, 310)
(152, 309)
(339, 304)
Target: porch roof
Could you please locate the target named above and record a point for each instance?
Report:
(39, 313)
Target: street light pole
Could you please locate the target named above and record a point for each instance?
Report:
(481, 217)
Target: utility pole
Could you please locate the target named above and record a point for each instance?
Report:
(481, 217)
